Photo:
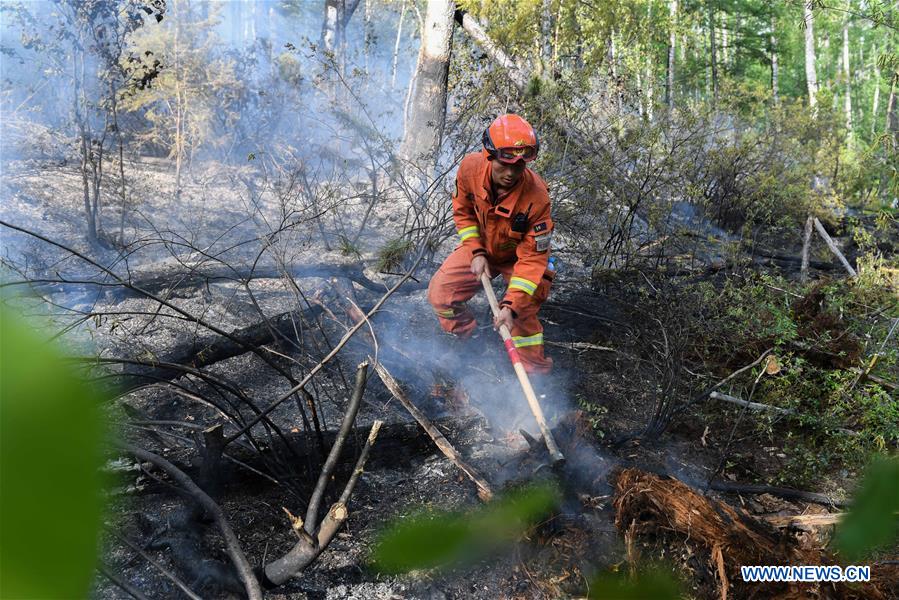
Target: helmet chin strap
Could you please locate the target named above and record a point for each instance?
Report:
(487, 141)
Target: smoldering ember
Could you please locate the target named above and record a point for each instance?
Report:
(422, 299)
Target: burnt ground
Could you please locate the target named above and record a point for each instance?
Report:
(457, 380)
(564, 551)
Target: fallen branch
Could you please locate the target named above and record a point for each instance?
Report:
(806, 246)
(805, 521)
(581, 346)
(238, 558)
(168, 574)
(782, 492)
(702, 395)
(180, 277)
(878, 380)
(205, 353)
(749, 405)
(779, 257)
(343, 341)
(485, 492)
(758, 406)
(833, 247)
(121, 583)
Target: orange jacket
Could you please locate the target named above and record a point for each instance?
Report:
(487, 229)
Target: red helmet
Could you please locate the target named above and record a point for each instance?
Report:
(510, 139)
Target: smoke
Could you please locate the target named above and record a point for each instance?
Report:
(480, 368)
(260, 66)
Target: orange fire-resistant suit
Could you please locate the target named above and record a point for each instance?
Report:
(485, 226)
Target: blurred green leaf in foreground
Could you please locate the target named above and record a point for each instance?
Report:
(426, 541)
(655, 583)
(873, 521)
(50, 454)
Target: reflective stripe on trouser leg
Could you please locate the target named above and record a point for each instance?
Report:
(523, 341)
(527, 337)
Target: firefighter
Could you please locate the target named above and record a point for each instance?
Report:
(501, 211)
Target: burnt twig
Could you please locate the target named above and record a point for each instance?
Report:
(348, 418)
(244, 570)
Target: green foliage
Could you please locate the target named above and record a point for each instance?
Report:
(826, 399)
(347, 248)
(192, 98)
(656, 583)
(873, 521)
(392, 254)
(433, 540)
(50, 457)
(595, 414)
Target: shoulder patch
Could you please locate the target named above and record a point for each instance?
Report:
(540, 227)
(543, 242)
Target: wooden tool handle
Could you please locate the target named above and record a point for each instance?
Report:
(523, 379)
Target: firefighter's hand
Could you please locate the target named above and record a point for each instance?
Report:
(504, 318)
(479, 265)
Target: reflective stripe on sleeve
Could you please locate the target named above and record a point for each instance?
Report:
(520, 283)
(522, 341)
(468, 232)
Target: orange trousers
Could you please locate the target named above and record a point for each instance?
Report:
(454, 284)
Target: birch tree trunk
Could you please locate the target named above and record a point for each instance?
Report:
(396, 46)
(546, 45)
(672, 41)
(811, 77)
(614, 89)
(775, 69)
(332, 27)
(725, 44)
(427, 110)
(558, 29)
(847, 81)
(179, 108)
(713, 54)
(875, 105)
(892, 116)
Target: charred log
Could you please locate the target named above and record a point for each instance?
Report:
(198, 354)
(180, 280)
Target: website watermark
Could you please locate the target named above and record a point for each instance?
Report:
(805, 573)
